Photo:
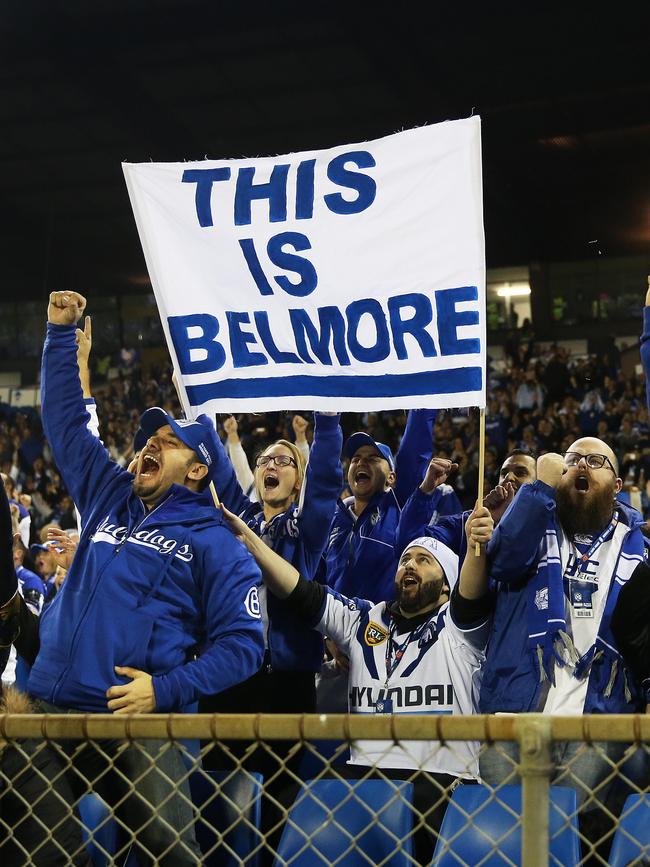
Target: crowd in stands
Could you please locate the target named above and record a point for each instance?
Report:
(388, 543)
(537, 401)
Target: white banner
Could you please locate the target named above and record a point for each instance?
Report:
(344, 279)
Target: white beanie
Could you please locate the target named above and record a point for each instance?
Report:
(447, 558)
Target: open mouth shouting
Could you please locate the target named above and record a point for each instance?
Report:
(410, 580)
(581, 483)
(361, 477)
(149, 467)
(271, 482)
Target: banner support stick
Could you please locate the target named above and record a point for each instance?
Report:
(481, 466)
(215, 498)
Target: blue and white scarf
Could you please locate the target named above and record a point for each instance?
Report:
(549, 640)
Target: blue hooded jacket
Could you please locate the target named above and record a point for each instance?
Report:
(298, 535)
(510, 679)
(361, 557)
(146, 588)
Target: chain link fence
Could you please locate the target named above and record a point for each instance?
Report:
(277, 790)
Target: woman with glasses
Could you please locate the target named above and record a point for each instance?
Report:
(293, 516)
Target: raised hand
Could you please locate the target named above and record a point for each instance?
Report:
(300, 425)
(231, 428)
(65, 308)
(437, 473)
(84, 342)
(498, 500)
(550, 469)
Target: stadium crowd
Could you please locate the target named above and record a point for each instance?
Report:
(376, 564)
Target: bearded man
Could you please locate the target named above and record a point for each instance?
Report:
(560, 557)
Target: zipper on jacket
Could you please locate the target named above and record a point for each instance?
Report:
(117, 549)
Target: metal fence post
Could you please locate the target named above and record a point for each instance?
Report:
(534, 736)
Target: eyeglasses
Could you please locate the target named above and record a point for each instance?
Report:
(278, 460)
(594, 462)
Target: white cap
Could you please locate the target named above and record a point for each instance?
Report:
(447, 558)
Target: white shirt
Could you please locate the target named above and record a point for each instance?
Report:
(567, 697)
(439, 673)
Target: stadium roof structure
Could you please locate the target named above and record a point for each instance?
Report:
(564, 97)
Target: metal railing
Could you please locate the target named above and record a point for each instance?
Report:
(275, 789)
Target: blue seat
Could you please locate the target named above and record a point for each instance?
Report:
(228, 803)
(332, 821)
(99, 829)
(491, 835)
(319, 756)
(632, 838)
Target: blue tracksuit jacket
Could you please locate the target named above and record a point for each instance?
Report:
(145, 588)
(361, 557)
(438, 515)
(299, 535)
(510, 680)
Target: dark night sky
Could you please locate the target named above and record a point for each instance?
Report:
(564, 95)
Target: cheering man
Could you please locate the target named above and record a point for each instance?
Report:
(156, 576)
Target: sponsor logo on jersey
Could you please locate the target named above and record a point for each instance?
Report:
(374, 634)
(431, 695)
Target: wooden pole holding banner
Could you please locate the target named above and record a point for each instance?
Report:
(213, 490)
(481, 466)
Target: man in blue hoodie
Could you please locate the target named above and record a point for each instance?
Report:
(156, 576)
(361, 554)
(560, 556)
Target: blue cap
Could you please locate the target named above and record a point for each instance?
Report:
(359, 439)
(199, 435)
(33, 549)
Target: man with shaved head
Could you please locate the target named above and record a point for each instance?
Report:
(560, 556)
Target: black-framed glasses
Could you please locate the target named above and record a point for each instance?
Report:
(594, 461)
(278, 460)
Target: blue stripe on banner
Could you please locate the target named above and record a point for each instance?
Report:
(459, 380)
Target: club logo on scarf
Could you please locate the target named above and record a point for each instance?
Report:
(541, 599)
(374, 634)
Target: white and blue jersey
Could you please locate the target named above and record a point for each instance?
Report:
(427, 664)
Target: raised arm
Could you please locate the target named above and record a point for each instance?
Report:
(414, 452)
(279, 575)
(312, 603)
(515, 543)
(237, 455)
(84, 463)
(423, 502)
(225, 481)
(322, 487)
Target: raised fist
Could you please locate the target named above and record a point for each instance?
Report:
(231, 428)
(498, 500)
(65, 308)
(437, 473)
(550, 469)
(300, 425)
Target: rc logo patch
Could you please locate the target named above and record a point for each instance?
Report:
(374, 634)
